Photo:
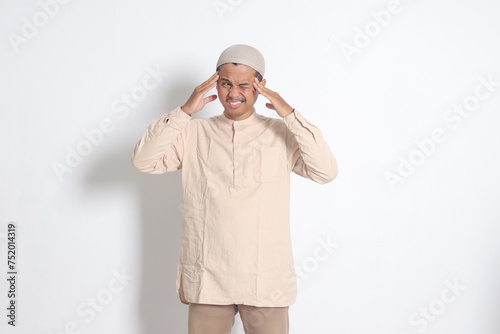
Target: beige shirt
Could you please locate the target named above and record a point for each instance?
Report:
(236, 244)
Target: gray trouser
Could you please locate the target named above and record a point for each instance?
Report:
(219, 319)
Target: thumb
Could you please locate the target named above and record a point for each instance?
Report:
(270, 106)
(209, 99)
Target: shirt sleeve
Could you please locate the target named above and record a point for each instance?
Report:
(311, 156)
(161, 147)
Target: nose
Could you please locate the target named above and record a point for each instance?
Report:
(234, 91)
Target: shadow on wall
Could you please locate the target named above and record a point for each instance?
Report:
(160, 205)
(160, 200)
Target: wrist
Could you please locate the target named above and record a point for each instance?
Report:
(182, 108)
(289, 113)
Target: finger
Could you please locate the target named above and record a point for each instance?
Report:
(262, 89)
(213, 79)
(270, 106)
(212, 76)
(209, 84)
(257, 86)
(257, 83)
(209, 99)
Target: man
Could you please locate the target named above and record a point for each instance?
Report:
(236, 252)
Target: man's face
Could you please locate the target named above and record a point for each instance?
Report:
(236, 91)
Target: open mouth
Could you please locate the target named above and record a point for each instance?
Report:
(235, 104)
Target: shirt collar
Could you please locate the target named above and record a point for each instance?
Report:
(249, 120)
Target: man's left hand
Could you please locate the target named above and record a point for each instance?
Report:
(277, 103)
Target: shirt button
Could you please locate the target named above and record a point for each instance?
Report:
(236, 164)
(235, 122)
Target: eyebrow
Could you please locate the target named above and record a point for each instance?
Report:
(242, 84)
(245, 83)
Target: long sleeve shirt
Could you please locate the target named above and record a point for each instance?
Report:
(236, 243)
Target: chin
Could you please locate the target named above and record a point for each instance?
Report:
(235, 113)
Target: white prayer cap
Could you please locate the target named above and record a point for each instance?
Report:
(243, 54)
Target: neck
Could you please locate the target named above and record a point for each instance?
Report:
(238, 117)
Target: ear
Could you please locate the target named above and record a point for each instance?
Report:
(263, 82)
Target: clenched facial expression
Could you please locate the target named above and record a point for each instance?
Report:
(236, 90)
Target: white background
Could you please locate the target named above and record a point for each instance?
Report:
(398, 246)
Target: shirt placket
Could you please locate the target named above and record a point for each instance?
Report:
(237, 158)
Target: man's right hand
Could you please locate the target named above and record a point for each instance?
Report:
(196, 101)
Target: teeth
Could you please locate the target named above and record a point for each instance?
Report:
(235, 103)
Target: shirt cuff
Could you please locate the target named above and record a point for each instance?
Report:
(176, 118)
(294, 119)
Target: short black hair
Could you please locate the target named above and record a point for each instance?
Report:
(257, 74)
